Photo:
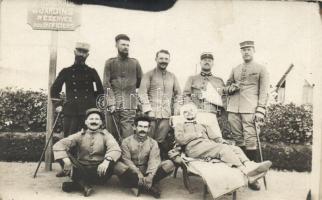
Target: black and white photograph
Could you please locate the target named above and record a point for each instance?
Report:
(160, 99)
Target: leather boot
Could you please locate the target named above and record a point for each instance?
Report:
(87, 189)
(129, 179)
(71, 186)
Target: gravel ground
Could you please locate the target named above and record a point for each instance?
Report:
(16, 183)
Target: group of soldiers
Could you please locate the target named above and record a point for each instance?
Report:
(137, 115)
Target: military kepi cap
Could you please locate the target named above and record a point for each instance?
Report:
(82, 45)
(246, 44)
(206, 55)
(122, 37)
(93, 110)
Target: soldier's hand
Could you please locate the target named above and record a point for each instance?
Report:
(111, 109)
(102, 168)
(141, 179)
(259, 117)
(67, 166)
(148, 181)
(151, 114)
(59, 109)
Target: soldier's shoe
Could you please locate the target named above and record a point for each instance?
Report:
(254, 186)
(70, 187)
(88, 190)
(61, 174)
(253, 169)
(154, 191)
(136, 191)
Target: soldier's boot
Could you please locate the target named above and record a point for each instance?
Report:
(61, 173)
(160, 174)
(130, 179)
(154, 191)
(71, 186)
(87, 189)
(253, 155)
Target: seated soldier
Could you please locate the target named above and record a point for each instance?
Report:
(97, 152)
(141, 154)
(197, 141)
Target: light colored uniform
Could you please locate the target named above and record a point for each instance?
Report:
(199, 141)
(253, 80)
(92, 147)
(160, 92)
(143, 156)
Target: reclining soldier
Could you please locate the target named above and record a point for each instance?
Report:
(141, 154)
(97, 157)
(198, 141)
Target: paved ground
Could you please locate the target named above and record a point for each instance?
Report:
(16, 183)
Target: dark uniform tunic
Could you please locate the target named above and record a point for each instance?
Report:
(122, 76)
(83, 85)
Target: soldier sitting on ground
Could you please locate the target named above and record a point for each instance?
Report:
(141, 154)
(97, 152)
(198, 141)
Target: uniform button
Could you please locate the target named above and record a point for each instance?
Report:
(75, 90)
(86, 90)
(75, 97)
(85, 97)
(86, 82)
(74, 83)
(73, 76)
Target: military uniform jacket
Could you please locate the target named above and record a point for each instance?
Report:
(121, 78)
(196, 84)
(160, 92)
(80, 90)
(140, 156)
(92, 147)
(254, 82)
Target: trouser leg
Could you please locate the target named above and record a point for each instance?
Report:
(161, 130)
(73, 124)
(235, 122)
(240, 153)
(165, 169)
(127, 177)
(125, 122)
(208, 148)
(249, 131)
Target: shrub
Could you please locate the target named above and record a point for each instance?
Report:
(22, 146)
(23, 110)
(289, 124)
(288, 156)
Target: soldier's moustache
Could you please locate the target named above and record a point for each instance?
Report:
(93, 124)
(163, 63)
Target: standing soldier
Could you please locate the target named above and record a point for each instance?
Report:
(122, 76)
(83, 85)
(247, 88)
(160, 97)
(205, 91)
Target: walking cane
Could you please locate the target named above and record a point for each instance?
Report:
(47, 143)
(257, 127)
